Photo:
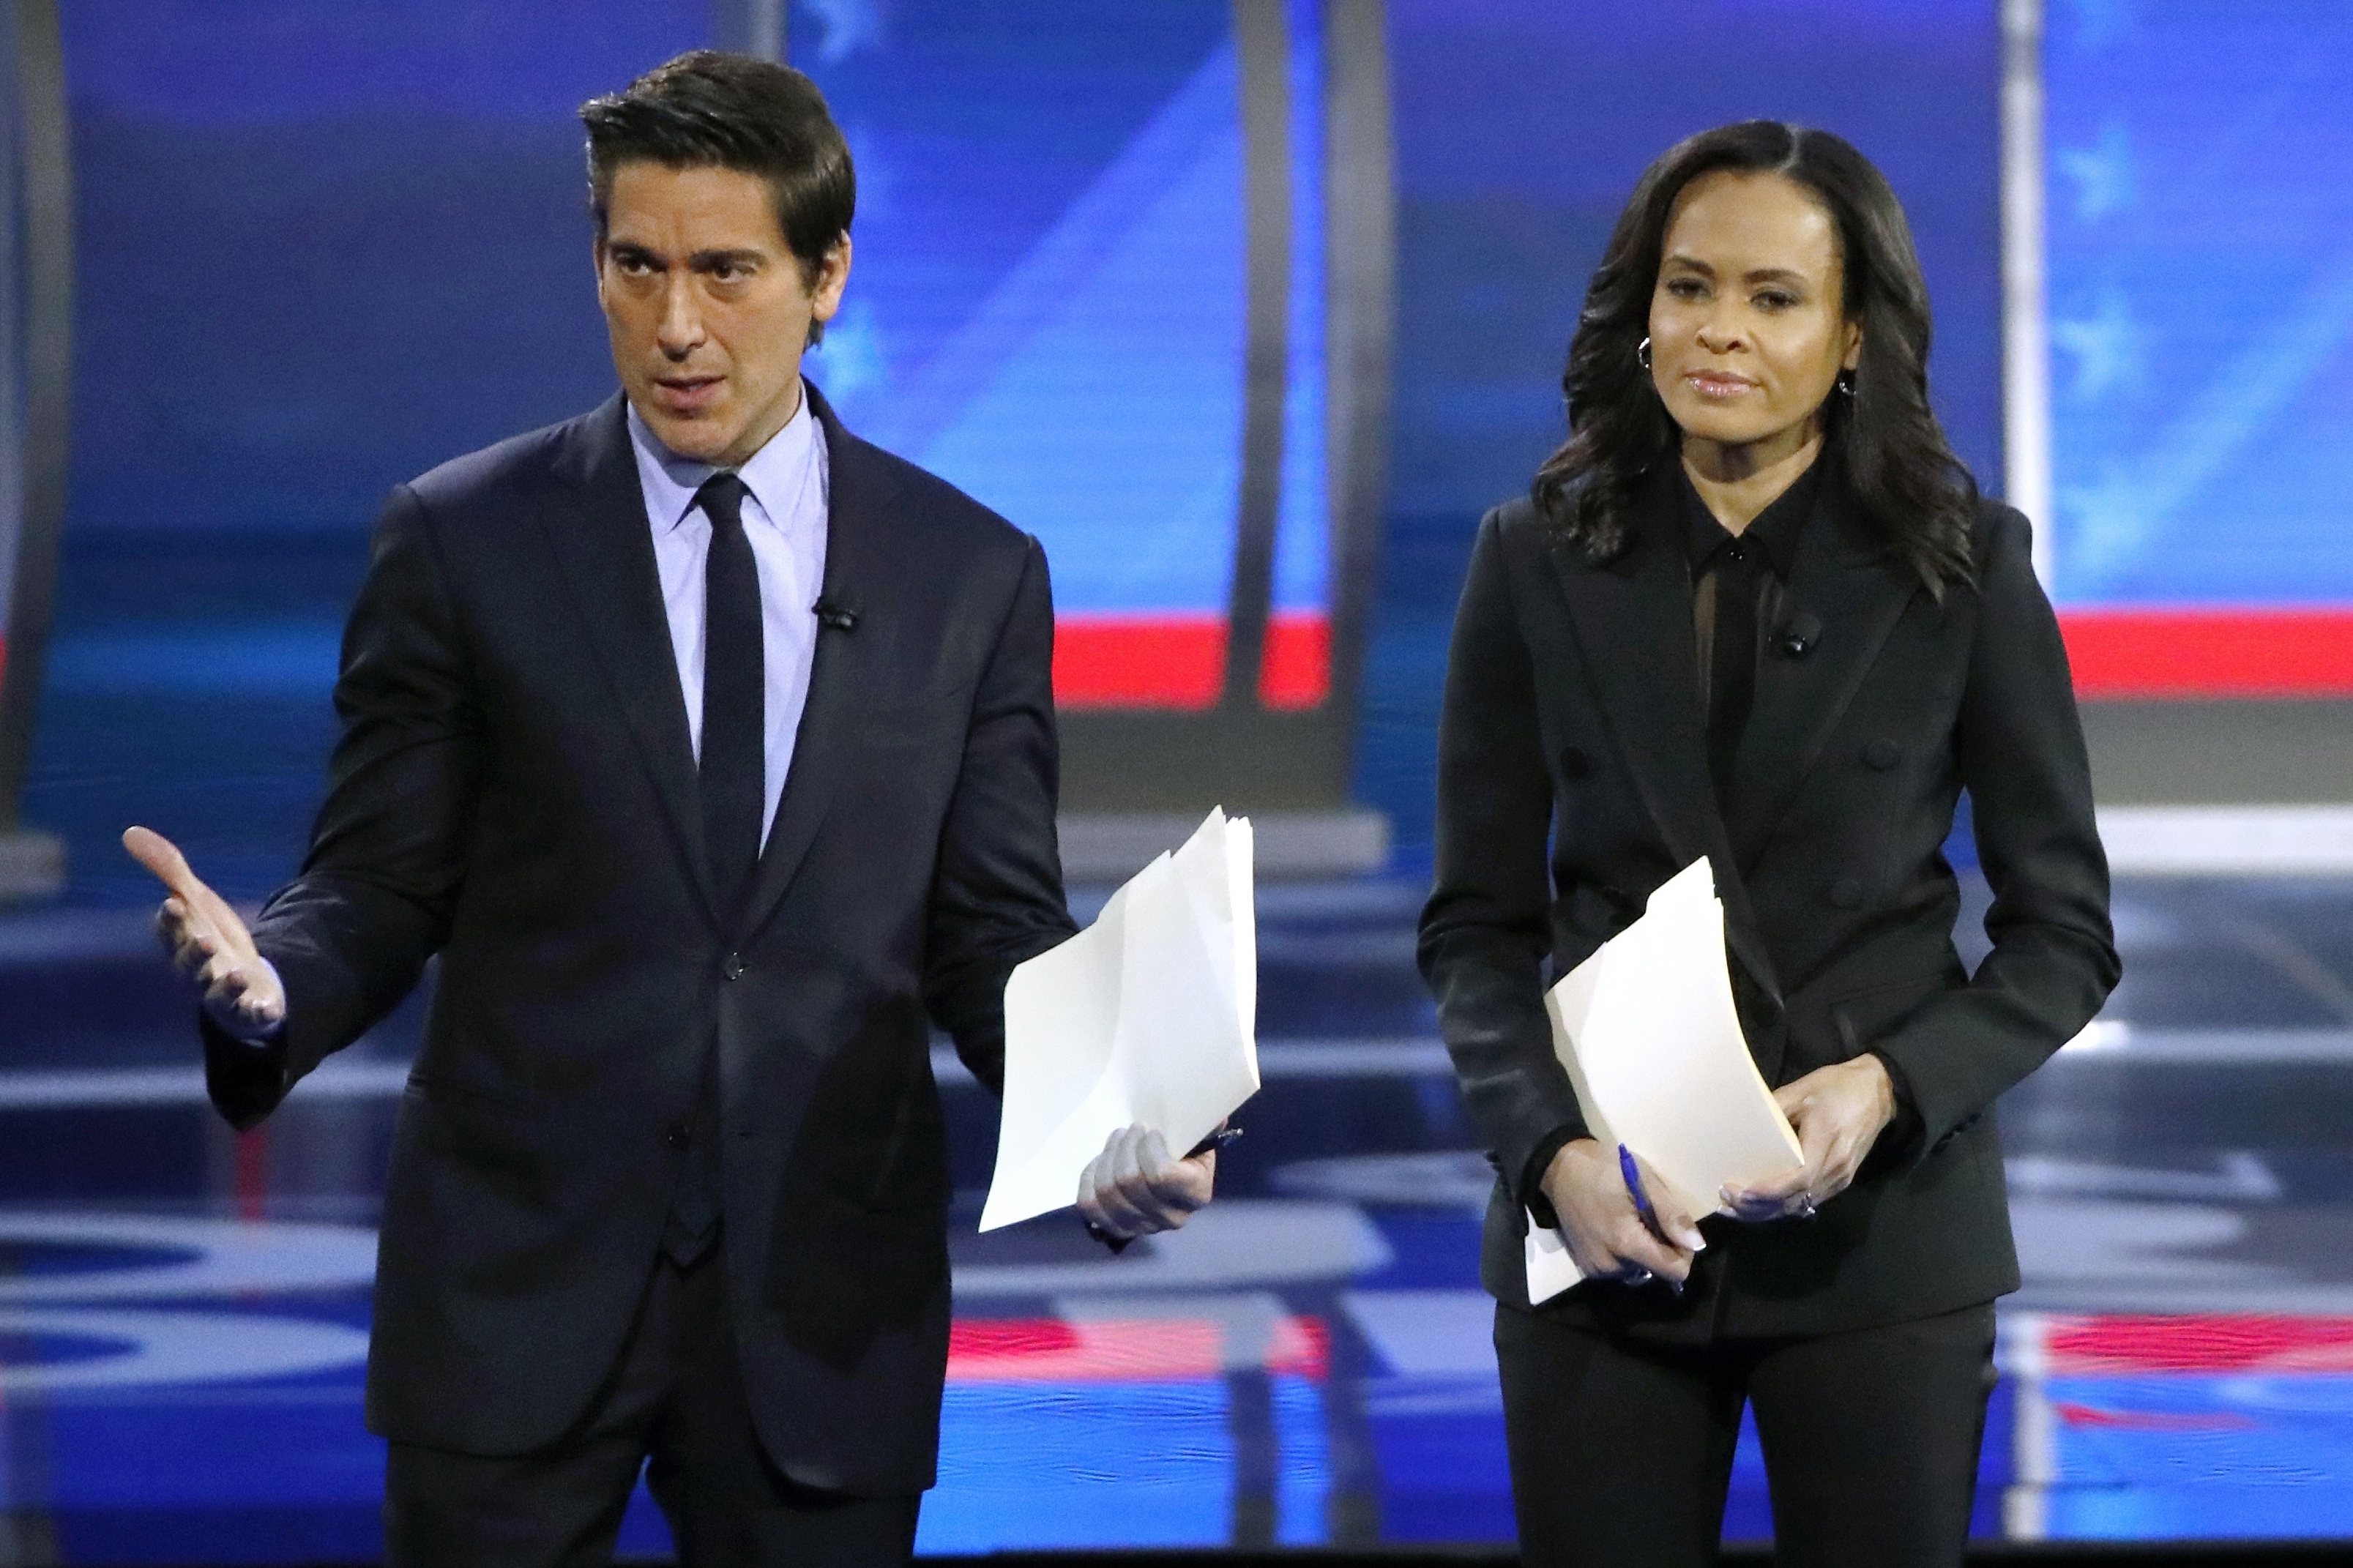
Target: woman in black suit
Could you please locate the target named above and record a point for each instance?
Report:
(1755, 610)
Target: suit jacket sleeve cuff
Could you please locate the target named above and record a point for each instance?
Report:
(1901, 1139)
(246, 1077)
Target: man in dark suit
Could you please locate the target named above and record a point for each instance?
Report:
(710, 749)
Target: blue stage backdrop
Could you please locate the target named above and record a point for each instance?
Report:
(316, 246)
(1520, 128)
(2200, 232)
(324, 250)
(319, 249)
(2200, 201)
(1050, 312)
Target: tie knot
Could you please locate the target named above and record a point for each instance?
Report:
(722, 500)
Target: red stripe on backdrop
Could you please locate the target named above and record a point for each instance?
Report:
(1139, 661)
(2225, 651)
(1296, 671)
(1180, 661)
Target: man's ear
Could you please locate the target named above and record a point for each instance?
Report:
(597, 258)
(832, 277)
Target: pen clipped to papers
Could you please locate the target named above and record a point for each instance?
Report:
(1652, 1045)
(1149, 1017)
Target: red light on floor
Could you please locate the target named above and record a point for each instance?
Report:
(1127, 1350)
(2198, 1341)
(1045, 1349)
(2153, 1420)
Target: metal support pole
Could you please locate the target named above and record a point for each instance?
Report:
(1262, 44)
(2025, 298)
(33, 864)
(750, 28)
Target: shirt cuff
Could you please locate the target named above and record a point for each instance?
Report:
(1531, 1192)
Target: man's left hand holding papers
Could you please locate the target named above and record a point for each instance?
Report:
(1136, 1187)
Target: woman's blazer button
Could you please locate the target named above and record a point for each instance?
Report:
(1846, 892)
(1573, 765)
(1883, 753)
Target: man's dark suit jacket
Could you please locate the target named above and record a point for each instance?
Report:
(1573, 779)
(515, 790)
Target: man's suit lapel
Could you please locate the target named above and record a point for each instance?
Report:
(850, 666)
(606, 548)
(1847, 592)
(1632, 621)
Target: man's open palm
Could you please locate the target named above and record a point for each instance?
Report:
(208, 941)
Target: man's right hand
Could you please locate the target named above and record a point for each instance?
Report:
(1605, 1233)
(208, 943)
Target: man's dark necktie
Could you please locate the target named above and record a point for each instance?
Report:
(1732, 674)
(734, 686)
(734, 800)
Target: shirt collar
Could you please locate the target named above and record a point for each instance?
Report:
(773, 474)
(1776, 529)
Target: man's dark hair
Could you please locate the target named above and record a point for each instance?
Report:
(1894, 453)
(708, 110)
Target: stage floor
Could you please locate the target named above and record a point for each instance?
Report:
(183, 1313)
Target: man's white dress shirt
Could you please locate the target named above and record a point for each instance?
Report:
(785, 520)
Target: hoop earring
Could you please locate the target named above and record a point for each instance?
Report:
(1846, 382)
(1642, 353)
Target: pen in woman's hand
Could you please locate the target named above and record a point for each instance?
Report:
(1633, 1172)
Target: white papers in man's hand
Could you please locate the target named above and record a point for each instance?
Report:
(1149, 1016)
(1648, 1032)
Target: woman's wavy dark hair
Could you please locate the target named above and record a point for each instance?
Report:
(1896, 460)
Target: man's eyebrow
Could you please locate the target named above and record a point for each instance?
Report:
(631, 250)
(704, 260)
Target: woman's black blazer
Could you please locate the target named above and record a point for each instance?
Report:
(1573, 779)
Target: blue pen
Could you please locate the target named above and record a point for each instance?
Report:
(1649, 1216)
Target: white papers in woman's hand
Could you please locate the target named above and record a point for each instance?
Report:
(1652, 1044)
(1149, 1016)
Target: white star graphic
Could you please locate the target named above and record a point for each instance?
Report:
(849, 26)
(2103, 174)
(2106, 345)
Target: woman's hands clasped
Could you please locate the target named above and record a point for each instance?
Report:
(1838, 1112)
(1605, 1232)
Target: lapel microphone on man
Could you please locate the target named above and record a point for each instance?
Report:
(833, 617)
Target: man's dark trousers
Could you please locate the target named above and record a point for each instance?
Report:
(678, 1397)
